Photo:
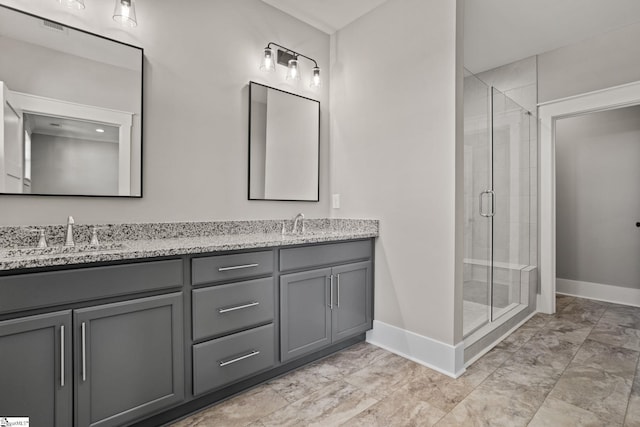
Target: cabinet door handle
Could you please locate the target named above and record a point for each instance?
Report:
(237, 267)
(338, 285)
(331, 292)
(62, 356)
(237, 359)
(238, 307)
(83, 329)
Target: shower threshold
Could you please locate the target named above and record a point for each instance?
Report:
(502, 316)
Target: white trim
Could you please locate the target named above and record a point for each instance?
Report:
(621, 87)
(57, 108)
(433, 354)
(599, 291)
(548, 113)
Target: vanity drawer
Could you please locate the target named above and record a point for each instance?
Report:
(35, 290)
(227, 267)
(226, 308)
(222, 361)
(329, 254)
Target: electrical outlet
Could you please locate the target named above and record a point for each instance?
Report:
(336, 201)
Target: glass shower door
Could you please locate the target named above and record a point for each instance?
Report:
(478, 227)
(510, 194)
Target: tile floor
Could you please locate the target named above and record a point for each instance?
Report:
(578, 367)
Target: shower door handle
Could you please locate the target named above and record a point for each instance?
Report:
(493, 203)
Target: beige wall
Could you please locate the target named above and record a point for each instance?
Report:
(393, 132)
(199, 57)
(608, 60)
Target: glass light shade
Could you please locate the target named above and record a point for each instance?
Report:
(125, 13)
(294, 72)
(316, 81)
(73, 4)
(268, 64)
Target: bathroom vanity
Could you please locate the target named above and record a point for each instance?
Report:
(159, 328)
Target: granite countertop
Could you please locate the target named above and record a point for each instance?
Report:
(203, 238)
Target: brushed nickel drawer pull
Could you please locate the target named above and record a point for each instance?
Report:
(84, 351)
(62, 356)
(331, 292)
(238, 307)
(237, 359)
(237, 267)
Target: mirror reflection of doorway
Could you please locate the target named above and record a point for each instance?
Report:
(13, 164)
(77, 156)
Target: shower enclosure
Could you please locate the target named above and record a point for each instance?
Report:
(500, 180)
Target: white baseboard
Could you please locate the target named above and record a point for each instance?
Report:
(599, 291)
(433, 354)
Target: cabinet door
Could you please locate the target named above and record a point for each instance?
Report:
(305, 315)
(129, 360)
(351, 314)
(35, 369)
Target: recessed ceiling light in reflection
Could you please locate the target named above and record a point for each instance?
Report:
(99, 130)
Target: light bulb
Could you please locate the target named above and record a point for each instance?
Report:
(294, 72)
(125, 13)
(73, 4)
(267, 64)
(316, 81)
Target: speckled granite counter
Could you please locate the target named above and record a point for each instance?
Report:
(135, 241)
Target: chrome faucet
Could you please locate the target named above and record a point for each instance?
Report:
(300, 217)
(42, 238)
(69, 240)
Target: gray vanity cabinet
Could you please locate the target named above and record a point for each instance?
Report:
(129, 359)
(232, 318)
(351, 314)
(325, 305)
(35, 369)
(105, 356)
(305, 313)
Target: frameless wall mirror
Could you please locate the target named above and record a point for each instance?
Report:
(284, 145)
(71, 103)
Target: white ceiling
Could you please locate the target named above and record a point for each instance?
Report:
(497, 32)
(71, 128)
(326, 15)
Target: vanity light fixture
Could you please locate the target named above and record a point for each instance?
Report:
(72, 4)
(316, 81)
(289, 58)
(267, 64)
(125, 13)
(293, 73)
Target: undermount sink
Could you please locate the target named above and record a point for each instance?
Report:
(61, 250)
